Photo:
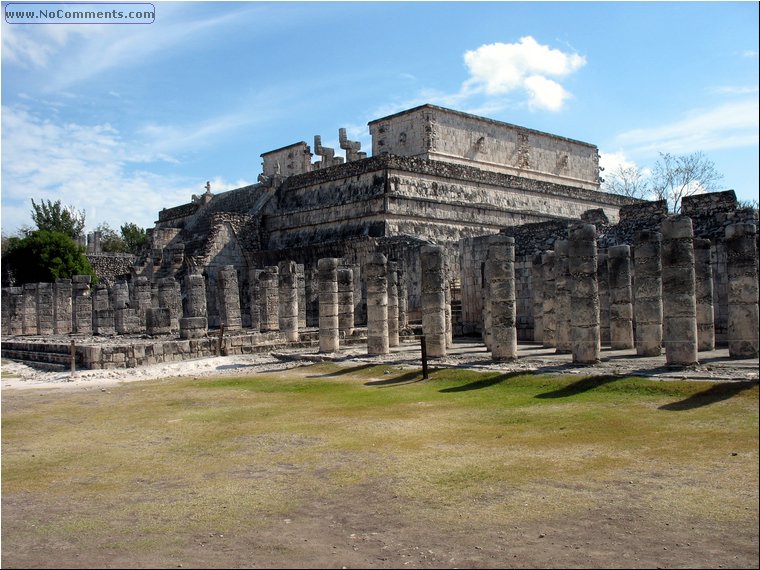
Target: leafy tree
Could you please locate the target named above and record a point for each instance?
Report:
(110, 241)
(53, 217)
(44, 256)
(134, 237)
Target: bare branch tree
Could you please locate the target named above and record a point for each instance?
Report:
(627, 181)
(674, 177)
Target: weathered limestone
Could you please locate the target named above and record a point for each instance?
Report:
(194, 323)
(703, 290)
(229, 298)
(376, 271)
(288, 300)
(537, 286)
(301, 286)
(501, 263)
(102, 313)
(393, 338)
(120, 294)
(158, 320)
(141, 297)
(679, 305)
(550, 317)
(82, 320)
(44, 308)
(403, 300)
(485, 293)
(329, 335)
(346, 301)
(603, 283)
(742, 267)
(562, 308)
(433, 279)
(584, 295)
(13, 308)
(621, 297)
(29, 308)
(269, 298)
(169, 297)
(648, 292)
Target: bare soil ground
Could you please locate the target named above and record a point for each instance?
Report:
(368, 526)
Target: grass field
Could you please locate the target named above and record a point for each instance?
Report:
(143, 466)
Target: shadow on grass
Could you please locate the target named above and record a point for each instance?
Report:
(408, 378)
(343, 371)
(583, 385)
(485, 383)
(713, 394)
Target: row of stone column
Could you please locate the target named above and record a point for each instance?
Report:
(75, 306)
(671, 286)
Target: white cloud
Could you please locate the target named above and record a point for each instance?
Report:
(90, 167)
(501, 69)
(729, 125)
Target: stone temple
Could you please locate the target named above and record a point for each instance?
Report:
(457, 224)
(435, 176)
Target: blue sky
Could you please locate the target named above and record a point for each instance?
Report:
(123, 120)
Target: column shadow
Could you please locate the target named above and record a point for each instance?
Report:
(582, 385)
(485, 383)
(713, 394)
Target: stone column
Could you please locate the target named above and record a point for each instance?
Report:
(537, 288)
(102, 313)
(229, 298)
(679, 306)
(447, 309)
(621, 297)
(501, 263)
(376, 273)
(194, 323)
(169, 298)
(603, 281)
(403, 301)
(158, 320)
(141, 298)
(255, 301)
(393, 339)
(44, 308)
(329, 337)
(29, 308)
(269, 298)
(703, 290)
(301, 295)
(82, 304)
(433, 299)
(346, 301)
(120, 295)
(562, 309)
(550, 317)
(584, 295)
(13, 309)
(485, 295)
(648, 292)
(288, 300)
(742, 268)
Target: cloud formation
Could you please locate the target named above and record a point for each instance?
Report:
(91, 167)
(500, 69)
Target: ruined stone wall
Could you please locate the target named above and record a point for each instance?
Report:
(442, 134)
(109, 267)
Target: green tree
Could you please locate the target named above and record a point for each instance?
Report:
(134, 237)
(44, 256)
(110, 241)
(53, 217)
